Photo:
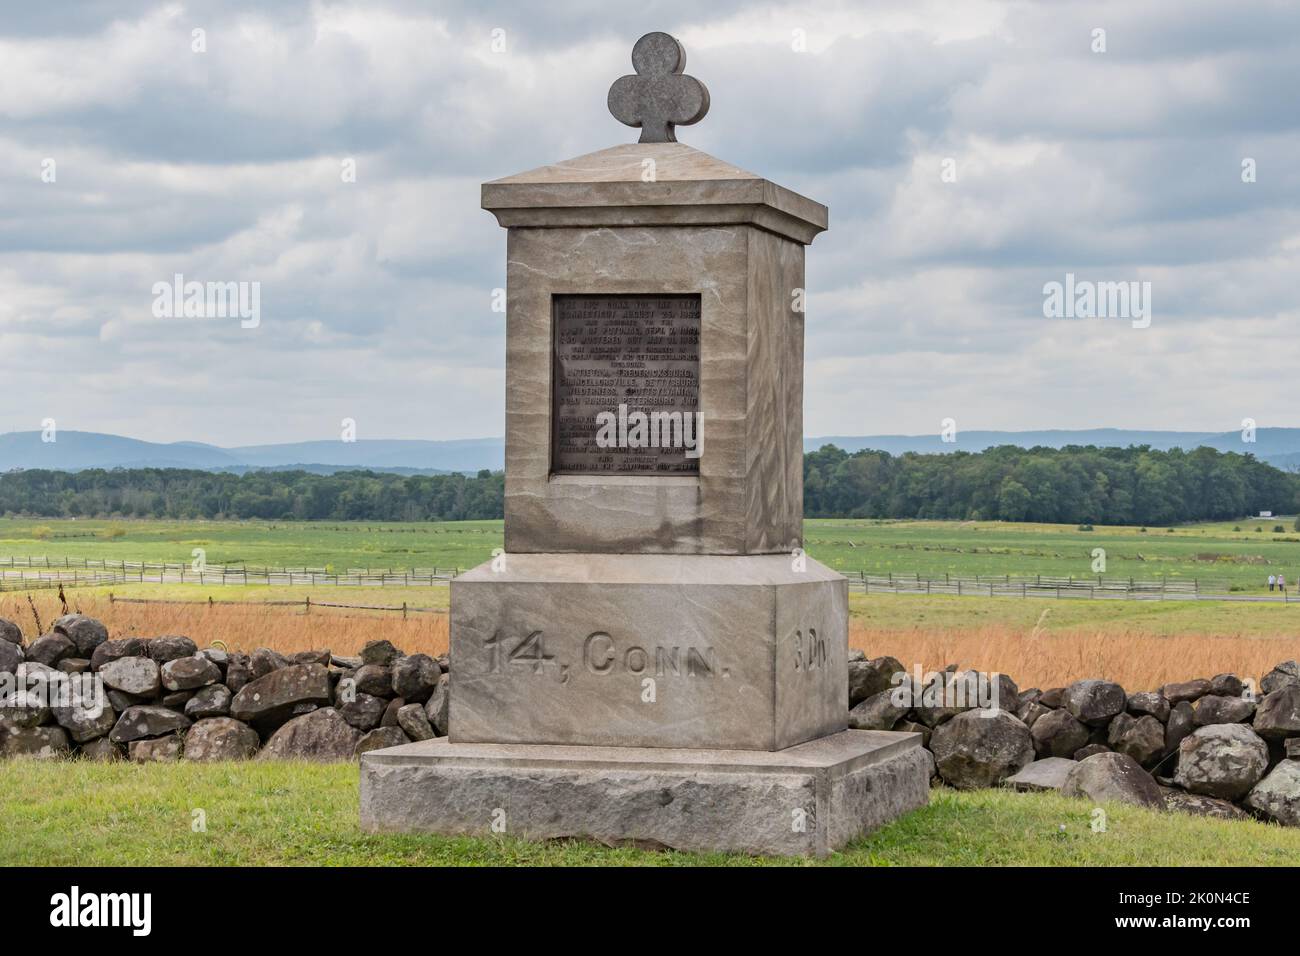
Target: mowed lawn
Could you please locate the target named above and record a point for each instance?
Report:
(287, 813)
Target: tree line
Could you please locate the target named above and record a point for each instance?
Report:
(1075, 485)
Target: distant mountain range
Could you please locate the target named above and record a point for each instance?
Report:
(76, 451)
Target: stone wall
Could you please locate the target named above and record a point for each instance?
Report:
(1223, 746)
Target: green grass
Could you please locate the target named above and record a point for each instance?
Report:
(285, 813)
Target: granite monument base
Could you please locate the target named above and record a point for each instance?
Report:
(806, 800)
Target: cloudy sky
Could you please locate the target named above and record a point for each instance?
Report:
(925, 297)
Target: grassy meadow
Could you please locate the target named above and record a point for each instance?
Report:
(286, 813)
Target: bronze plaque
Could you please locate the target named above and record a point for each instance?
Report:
(626, 385)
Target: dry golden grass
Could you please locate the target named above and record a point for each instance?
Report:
(1137, 660)
(243, 627)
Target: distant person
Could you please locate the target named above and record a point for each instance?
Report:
(1281, 583)
(1272, 580)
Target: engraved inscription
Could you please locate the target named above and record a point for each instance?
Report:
(635, 359)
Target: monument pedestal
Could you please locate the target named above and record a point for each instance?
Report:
(806, 800)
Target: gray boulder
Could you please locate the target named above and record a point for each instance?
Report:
(415, 677)
(390, 712)
(115, 650)
(1148, 704)
(1188, 691)
(86, 716)
(379, 652)
(1213, 709)
(146, 720)
(1277, 796)
(138, 676)
(1142, 738)
(189, 673)
(264, 661)
(1286, 674)
(1046, 774)
(85, 632)
(321, 656)
(414, 723)
(1226, 685)
(1182, 721)
(11, 655)
(878, 712)
(1113, 777)
(157, 750)
(380, 738)
(438, 707)
(320, 735)
(869, 677)
(220, 738)
(1181, 801)
(211, 701)
(1058, 734)
(101, 749)
(981, 748)
(1222, 760)
(10, 632)
(171, 647)
(1083, 753)
(271, 698)
(239, 672)
(364, 711)
(49, 649)
(1277, 715)
(376, 679)
(44, 743)
(1094, 702)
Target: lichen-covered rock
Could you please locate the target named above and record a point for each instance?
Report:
(49, 649)
(44, 743)
(1226, 685)
(1181, 723)
(189, 673)
(1277, 715)
(1222, 760)
(11, 655)
(85, 632)
(1188, 690)
(115, 650)
(880, 711)
(1030, 711)
(1083, 753)
(1113, 777)
(380, 738)
(1286, 674)
(220, 738)
(1277, 796)
(320, 735)
(101, 749)
(158, 750)
(379, 652)
(1046, 774)
(211, 701)
(1183, 802)
(869, 677)
(1058, 734)
(10, 632)
(239, 671)
(1094, 702)
(271, 698)
(411, 718)
(414, 677)
(138, 676)
(1213, 709)
(1142, 738)
(321, 656)
(146, 720)
(1149, 704)
(375, 679)
(981, 748)
(86, 716)
(170, 648)
(361, 710)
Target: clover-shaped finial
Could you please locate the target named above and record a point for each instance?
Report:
(659, 96)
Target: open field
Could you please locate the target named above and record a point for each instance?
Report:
(286, 813)
(1243, 559)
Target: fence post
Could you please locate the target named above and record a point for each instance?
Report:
(403, 610)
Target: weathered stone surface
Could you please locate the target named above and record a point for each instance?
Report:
(981, 748)
(415, 677)
(1291, 748)
(10, 632)
(1223, 760)
(211, 701)
(869, 677)
(11, 655)
(1058, 734)
(220, 738)
(159, 750)
(146, 720)
(1189, 691)
(1030, 712)
(264, 660)
(120, 701)
(49, 649)
(1148, 703)
(217, 656)
(1184, 802)
(1213, 709)
(1083, 753)
(1053, 697)
(1094, 702)
(320, 735)
(176, 699)
(1142, 738)
(1226, 685)
(1181, 723)
(374, 679)
(101, 750)
(913, 727)
(379, 652)
(692, 800)
(1046, 774)
(239, 672)
(86, 716)
(25, 706)
(438, 707)
(138, 676)
(189, 673)
(272, 697)
(85, 632)
(73, 665)
(390, 712)
(1286, 674)
(414, 723)
(379, 738)
(346, 662)
(750, 651)
(1277, 715)
(41, 742)
(1277, 796)
(1113, 777)
(319, 656)
(115, 650)
(878, 712)
(171, 647)
(363, 712)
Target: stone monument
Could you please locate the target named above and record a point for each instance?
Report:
(653, 658)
